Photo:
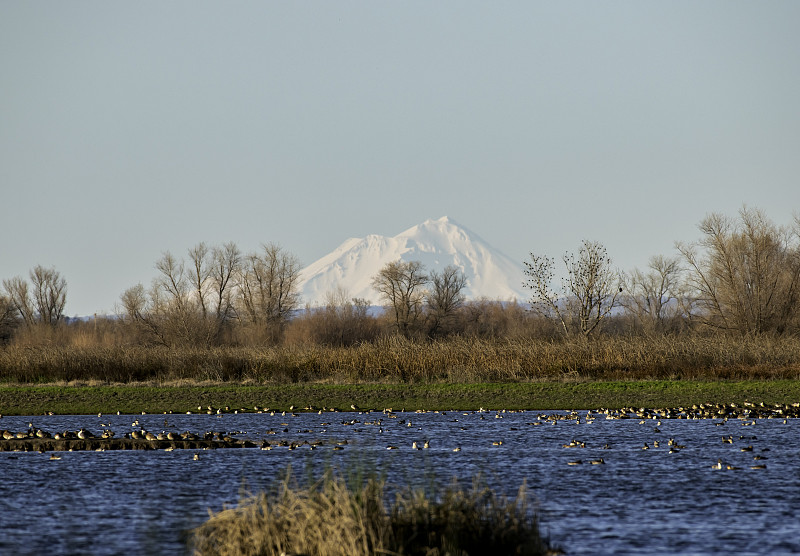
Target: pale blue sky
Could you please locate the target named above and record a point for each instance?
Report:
(132, 128)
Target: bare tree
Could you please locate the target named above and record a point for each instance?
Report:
(225, 264)
(212, 281)
(186, 304)
(746, 273)
(18, 297)
(43, 301)
(268, 287)
(591, 288)
(444, 298)
(9, 318)
(139, 312)
(173, 282)
(345, 320)
(176, 302)
(657, 296)
(401, 285)
(199, 274)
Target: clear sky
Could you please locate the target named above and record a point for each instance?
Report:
(131, 128)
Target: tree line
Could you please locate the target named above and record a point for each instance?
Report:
(742, 276)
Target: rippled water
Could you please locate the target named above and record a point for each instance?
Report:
(639, 502)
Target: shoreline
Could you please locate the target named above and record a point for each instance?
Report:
(230, 397)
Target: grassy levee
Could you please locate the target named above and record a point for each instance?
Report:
(457, 373)
(332, 518)
(133, 399)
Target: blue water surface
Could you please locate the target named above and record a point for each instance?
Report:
(653, 501)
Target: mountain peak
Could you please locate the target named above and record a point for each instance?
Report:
(436, 243)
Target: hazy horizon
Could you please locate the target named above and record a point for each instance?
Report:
(128, 130)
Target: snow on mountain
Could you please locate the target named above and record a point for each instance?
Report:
(435, 243)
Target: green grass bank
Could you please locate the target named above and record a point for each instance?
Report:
(87, 400)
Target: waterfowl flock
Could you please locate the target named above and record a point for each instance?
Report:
(388, 421)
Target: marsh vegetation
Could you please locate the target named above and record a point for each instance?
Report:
(399, 360)
(332, 517)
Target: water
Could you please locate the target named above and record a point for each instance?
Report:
(638, 502)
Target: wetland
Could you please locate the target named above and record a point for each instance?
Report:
(595, 488)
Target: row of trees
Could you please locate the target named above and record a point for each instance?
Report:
(742, 275)
(196, 301)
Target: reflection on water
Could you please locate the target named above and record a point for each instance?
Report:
(662, 500)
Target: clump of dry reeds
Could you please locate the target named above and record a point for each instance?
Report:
(331, 519)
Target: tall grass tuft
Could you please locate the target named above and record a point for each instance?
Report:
(331, 518)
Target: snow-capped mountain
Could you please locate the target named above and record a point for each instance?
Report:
(435, 243)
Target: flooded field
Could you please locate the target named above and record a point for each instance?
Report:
(602, 486)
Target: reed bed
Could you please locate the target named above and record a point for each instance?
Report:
(397, 360)
(331, 518)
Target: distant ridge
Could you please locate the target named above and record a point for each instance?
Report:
(436, 243)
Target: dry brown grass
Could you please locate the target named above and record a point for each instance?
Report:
(332, 519)
(404, 361)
